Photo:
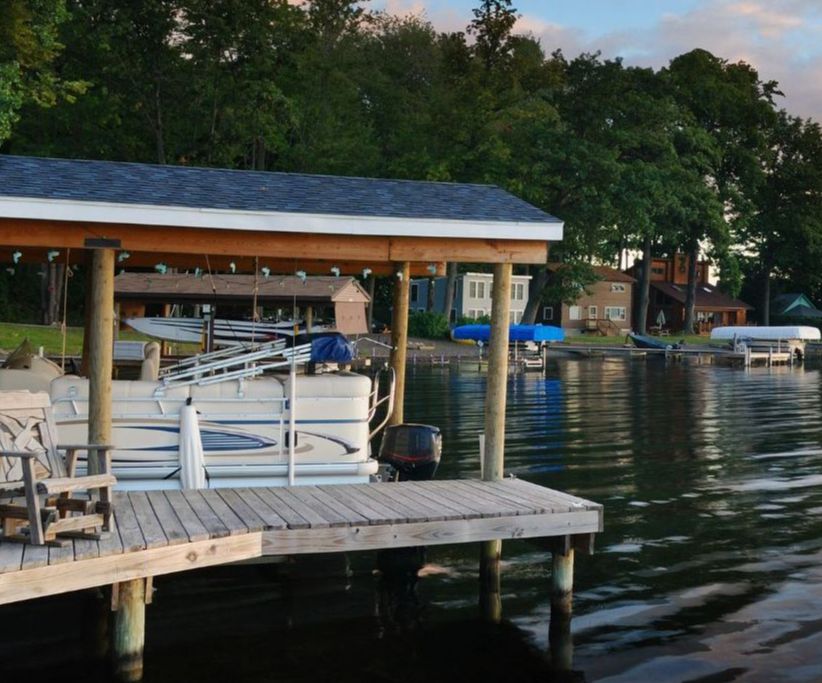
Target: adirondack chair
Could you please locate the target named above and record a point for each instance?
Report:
(34, 469)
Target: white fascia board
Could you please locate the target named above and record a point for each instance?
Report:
(270, 221)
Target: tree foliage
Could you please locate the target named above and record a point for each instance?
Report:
(695, 156)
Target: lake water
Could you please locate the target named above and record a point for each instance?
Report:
(708, 570)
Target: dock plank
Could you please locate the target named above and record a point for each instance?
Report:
(496, 498)
(110, 542)
(11, 556)
(205, 513)
(444, 502)
(173, 528)
(61, 554)
(331, 516)
(269, 516)
(470, 501)
(368, 508)
(251, 520)
(293, 519)
(131, 535)
(504, 491)
(152, 530)
(351, 515)
(408, 513)
(86, 548)
(432, 512)
(33, 556)
(536, 490)
(194, 528)
(227, 516)
(306, 512)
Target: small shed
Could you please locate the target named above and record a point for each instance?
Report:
(133, 291)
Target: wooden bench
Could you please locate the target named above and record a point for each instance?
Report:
(43, 474)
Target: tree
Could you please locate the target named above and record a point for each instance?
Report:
(29, 46)
(492, 25)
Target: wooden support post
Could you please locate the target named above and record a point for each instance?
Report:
(399, 337)
(309, 319)
(497, 380)
(493, 450)
(562, 587)
(100, 333)
(490, 581)
(129, 632)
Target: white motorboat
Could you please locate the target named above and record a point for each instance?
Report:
(774, 337)
(244, 415)
(225, 332)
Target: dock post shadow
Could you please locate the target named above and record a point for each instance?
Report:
(560, 640)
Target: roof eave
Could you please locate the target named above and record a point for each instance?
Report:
(272, 221)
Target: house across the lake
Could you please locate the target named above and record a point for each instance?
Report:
(472, 295)
(605, 307)
(669, 284)
(794, 306)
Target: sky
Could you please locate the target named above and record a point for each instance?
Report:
(782, 39)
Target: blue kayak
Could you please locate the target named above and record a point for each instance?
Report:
(521, 333)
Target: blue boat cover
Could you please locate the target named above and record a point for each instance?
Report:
(534, 333)
(332, 348)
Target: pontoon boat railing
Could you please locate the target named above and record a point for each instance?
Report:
(241, 366)
(226, 352)
(376, 402)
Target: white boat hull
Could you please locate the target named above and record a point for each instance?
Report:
(244, 427)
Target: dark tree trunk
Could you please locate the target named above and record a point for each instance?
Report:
(766, 294)
(159, 132)
(450, 287)
(371, 284)
(644, 288)
(535, 287)
(690, 294)
(44, 294)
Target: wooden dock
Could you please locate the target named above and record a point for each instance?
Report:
(162, 532)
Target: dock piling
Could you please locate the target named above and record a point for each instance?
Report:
(562, 587)
(129, 629)
(399, 337)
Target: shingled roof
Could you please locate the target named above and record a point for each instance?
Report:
(708, 297)
(219, 194)
(179, 287)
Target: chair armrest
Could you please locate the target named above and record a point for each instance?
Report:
(21, 454)
(103, 452)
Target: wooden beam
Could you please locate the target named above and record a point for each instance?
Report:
(51, 234)
(100, 571)
(242, 264)
(468, 250)
(100, 332)
(497, 380)
(385, 536)
(399, 338)
(129, 633)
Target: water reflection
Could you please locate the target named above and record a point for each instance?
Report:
(709, 569)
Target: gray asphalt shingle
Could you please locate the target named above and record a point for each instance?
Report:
(129, 183)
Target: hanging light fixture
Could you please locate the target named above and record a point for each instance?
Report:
(16, 256)
(233, 267)
(336, 271)
(366, 272)
(123, 256)
(432, 268)
(161, 268)
(52, 254)
(302, 275)
(266, 271)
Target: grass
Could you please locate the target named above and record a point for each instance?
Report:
(51, 339)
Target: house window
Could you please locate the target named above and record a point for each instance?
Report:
(615, 313)
(472, 290)
(592, 312)
(548, 313)
(415, 291)
(517, 291)
(617, 287)
(514, 317)
(480, 290)
(658, 271)
(575, 313)
(476, 313)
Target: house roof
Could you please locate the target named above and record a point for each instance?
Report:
(604, 273)
(708, 297)
(801, 312)
(785, 304)
(178, 287)
(145, 194)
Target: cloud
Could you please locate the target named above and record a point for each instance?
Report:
(782, 39)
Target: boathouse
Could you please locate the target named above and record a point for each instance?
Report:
(95, 212)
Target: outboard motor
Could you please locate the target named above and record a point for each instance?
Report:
(413, 450)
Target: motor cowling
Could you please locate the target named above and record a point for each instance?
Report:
(413, 450)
